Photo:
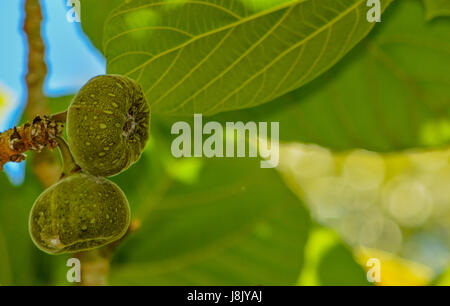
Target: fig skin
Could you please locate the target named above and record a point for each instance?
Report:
(79, 213)
(108, 125)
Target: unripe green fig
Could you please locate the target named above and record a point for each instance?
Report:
(79, 213)
(108, 124)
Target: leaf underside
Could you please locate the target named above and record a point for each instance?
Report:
(210, 56)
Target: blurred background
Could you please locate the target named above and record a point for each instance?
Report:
(317, 220)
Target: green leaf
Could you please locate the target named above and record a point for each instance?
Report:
(5, 268)
(391, 93)
(338, 268)
(329, 261)
(93, 15)
(225, 229)
(211, 56)
(16, 243)
(437, 8)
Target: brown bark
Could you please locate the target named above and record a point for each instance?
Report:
(39, 134)
(37, 69)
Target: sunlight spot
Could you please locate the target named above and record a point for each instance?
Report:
(435, 133)
(306, 161)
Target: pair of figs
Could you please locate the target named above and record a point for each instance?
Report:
(107, 128)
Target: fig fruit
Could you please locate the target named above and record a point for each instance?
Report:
(108, 124)
(79, 213)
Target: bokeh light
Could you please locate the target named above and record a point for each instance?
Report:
(388, 202)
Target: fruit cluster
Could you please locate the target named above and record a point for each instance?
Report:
(107, 128)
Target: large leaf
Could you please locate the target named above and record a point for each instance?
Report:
(436, 8)
(329, 261)
(93, 16)
(210, 56)
(338, 268)
(234, 224)
(391, 93)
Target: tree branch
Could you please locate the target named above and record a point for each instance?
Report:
(39, 134)
(37, 69)
(45, 165)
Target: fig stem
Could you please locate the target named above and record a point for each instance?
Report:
(60, 117)
(69, 165)
(96, 263)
